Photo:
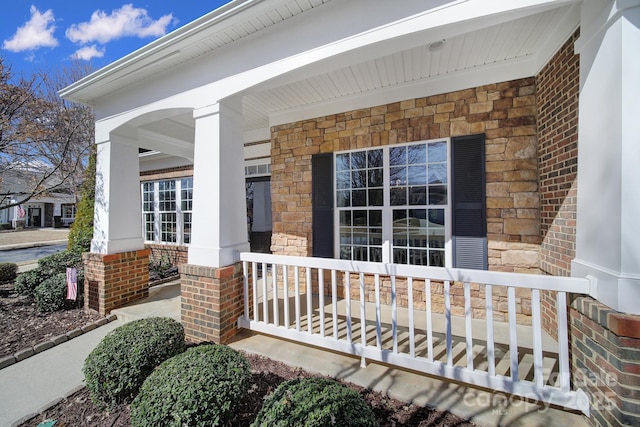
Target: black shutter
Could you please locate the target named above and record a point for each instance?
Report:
(322, 204)
(469, 225)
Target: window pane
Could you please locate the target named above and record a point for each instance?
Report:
(417, 175)
(375, 158)
(375, 218)
(343, 180)
(359, 179)
(397, 156)
(398, 176)
(398, 196)
(437, 152)
(342, 162)
(438, 195)
(437, 173)
(186, 227)
(344, 198)
(359, 198)
(375, 178)
(376, 197)
(359, 160)
(416, 154)
(418, 196)
(345, 218)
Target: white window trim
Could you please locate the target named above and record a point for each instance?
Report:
(387, 217)
(156, 212)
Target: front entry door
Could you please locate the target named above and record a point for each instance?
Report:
(35, 218)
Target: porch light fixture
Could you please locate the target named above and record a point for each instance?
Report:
(437, 45)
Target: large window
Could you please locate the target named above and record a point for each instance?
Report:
(392, 204)
(166, 210)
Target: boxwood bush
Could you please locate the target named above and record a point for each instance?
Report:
(200, 387)
(117, 367)
(26, 283)
(8, 271)
(50, 294)
(314, 402)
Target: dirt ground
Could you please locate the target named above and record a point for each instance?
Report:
(23, 326)
(78, 410)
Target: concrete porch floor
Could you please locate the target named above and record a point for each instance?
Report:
(484, 408)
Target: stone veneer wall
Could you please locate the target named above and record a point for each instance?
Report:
(113, 280)
(504, 112)
(558, 85)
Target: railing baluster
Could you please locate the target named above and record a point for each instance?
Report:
(245, 280)
(412, 337)
(491, 352)
(347, 286)
(309, 289)
(254, 279)
(334, 303)
(467, 324)
(536, 326)
(378, 315)
(563, 341)
(513, 332)
(394, 314)
(321, 299)
(427, 293)
(363, 314)
(274, 285)
(296, 278)
(447, 316)
(265, 294)
(285, 286)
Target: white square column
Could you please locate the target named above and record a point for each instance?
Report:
(219, 218)
(117, 213)
(608, 216)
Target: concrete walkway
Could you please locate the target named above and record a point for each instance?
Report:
(29, 386)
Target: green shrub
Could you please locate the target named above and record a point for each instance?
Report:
(8, 271)
(201, 386)
(5, 226)
(117, 367)
(314, 402)
(50, 294)
(26, 283)
(58, 262)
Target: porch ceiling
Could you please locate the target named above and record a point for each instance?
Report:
(513, 49)
(475, 52)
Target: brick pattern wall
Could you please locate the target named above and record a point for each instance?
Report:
(558, 84)
(113, 280)
(558, 87)
(212, 301)
(168, 173)
(605, 350)
(173, 254)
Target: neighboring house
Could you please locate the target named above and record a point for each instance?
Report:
(54, 209)
(472, 135)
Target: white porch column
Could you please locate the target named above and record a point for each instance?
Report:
(608, 217)
(219, 222)
(117, 215)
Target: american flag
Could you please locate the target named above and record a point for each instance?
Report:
(72, 284)
(21, 212)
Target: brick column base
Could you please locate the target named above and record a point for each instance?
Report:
(605, 350)
(113, 280)
(212, 301)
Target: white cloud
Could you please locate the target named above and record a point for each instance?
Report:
(127, 21)
(88, 52)
(37, 32)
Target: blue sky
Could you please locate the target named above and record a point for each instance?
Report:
(42, 35)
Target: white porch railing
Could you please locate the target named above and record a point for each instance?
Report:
(471, 348)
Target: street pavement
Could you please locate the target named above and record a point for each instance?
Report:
(30, 254)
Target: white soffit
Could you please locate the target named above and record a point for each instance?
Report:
(510, 50)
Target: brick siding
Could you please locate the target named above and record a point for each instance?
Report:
(605, 354)
(167, 253)
(558, 84)
(212, 300)
(113, 280)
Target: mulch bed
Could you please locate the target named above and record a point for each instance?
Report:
(23, 326)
